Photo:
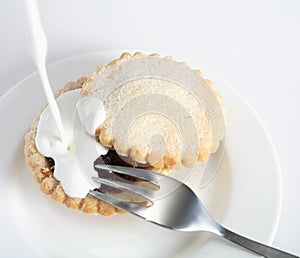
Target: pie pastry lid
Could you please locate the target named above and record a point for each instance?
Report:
(159, 111)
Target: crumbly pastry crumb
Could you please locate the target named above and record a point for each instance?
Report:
(42, 171)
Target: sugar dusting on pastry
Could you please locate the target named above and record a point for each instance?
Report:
(122, 85)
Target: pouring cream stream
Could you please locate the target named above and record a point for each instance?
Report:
(39, 51)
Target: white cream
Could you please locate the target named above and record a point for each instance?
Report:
(91, 113)
(74, 166)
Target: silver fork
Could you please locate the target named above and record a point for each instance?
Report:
(172, 205)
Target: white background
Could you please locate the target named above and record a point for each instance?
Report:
(253, 46)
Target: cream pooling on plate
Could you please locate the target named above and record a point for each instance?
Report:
(73, 165)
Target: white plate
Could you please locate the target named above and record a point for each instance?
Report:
(245, 195)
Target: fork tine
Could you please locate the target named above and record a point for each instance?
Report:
(165, 184)
(128, 206)
(135, 172)
(135, 189)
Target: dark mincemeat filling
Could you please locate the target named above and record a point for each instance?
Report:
(112, 158)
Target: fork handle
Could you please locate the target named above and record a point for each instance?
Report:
(254, 246)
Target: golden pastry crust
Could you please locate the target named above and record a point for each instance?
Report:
(104, 131)
(42, 171)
